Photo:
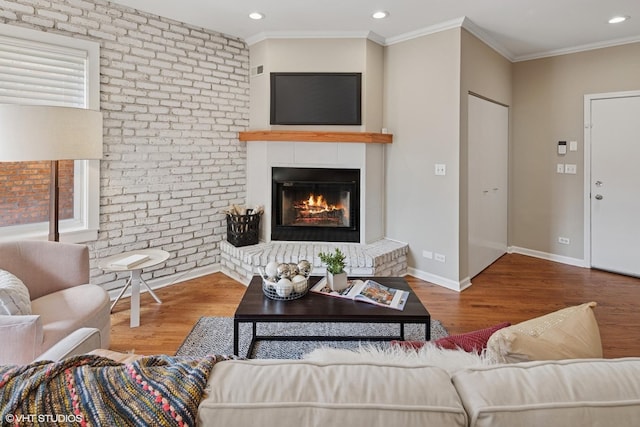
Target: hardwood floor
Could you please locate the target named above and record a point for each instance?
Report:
(514, 289)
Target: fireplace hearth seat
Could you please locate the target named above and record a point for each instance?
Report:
(63, 313)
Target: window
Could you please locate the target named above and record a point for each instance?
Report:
(38, 68)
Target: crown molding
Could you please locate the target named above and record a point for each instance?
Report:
(461, 22)
(369, 35)
(474, 29)
(578, 49)
(448, 25)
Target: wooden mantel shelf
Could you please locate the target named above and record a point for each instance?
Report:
(314, 136)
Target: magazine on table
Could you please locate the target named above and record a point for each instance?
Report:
(368, 291)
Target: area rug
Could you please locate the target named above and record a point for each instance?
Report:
(214, 335)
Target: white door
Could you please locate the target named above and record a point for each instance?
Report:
(615, 184)
(488, 127)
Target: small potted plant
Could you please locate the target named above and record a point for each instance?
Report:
(336, 276)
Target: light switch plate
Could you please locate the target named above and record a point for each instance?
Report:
(560, 168)
(570, 168)
(573, 145)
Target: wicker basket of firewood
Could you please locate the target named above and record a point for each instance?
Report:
(243, 226)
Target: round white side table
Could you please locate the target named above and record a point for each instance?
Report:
(156, 256)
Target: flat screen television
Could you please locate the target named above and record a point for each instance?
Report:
(316, 98)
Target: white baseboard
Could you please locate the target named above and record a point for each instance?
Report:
(439, 280)
(465, 283)
(550, 257)
(173, 279)
(423, 275)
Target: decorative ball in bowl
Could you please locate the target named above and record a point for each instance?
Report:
(285, 281)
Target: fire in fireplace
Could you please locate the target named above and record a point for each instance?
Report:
(312, 204)
(316, 211)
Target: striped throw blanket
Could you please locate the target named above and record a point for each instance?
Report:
(96, 391)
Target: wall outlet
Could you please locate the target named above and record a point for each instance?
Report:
(440, 169)
(570, 168)
(564, 240)
(427, 254)
(440, 257)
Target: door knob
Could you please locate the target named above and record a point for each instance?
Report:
(598, 183)
(598, 196)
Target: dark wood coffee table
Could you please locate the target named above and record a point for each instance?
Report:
(255, 308)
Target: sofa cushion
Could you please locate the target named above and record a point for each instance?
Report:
(304, 393)
(65, 311)
(14, 295)
(570, 333)
(595, 392)
(21, 339)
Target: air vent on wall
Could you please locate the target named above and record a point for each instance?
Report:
(257, 71)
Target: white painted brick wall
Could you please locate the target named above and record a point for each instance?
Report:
(173, 98)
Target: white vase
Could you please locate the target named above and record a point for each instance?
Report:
(337, 282)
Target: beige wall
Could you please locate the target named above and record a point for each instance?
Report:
(373, 82)
(259, 87)
(548, 102)
(426, 85)
(318, 55)
(422, 88)
(422, 110)
(487, 73)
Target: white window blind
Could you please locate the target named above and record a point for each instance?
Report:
(42, 74)
(42, 68)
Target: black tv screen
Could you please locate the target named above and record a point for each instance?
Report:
(316, 98)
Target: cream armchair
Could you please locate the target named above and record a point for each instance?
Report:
(67, 312)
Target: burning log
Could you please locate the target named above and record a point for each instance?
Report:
(316, 210)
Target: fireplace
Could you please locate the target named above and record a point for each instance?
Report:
(315, 204)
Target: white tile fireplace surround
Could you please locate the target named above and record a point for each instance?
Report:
(364, 151)
(368, 157)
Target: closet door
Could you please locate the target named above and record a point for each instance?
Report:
(488, 127)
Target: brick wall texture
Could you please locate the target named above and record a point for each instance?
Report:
(24, 191)
(173, 98)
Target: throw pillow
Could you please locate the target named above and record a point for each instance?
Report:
(570, 333)
(472, 342)
(427, 354)
(14, 295)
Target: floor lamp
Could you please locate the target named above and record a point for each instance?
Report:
(35, 133)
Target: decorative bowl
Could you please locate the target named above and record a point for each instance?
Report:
(283, 291)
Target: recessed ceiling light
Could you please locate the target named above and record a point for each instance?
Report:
(381, 14)
(256, 15)
(618, 19)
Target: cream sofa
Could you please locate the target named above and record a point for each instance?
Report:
(64, 306)
(580, 392)
(437, 387)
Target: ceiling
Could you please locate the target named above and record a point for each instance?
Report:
(519, 29)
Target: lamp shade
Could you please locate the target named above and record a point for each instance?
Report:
(35, 132)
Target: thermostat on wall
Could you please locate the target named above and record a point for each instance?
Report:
(562, 147)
